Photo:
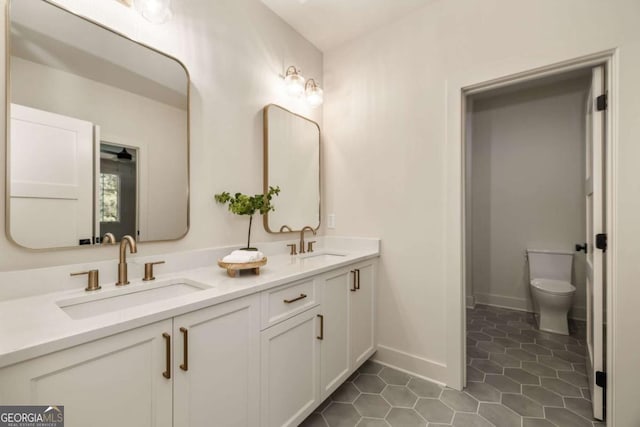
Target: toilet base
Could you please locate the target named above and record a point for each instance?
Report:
(556, 323)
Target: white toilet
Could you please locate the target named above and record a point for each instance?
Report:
(550, 280)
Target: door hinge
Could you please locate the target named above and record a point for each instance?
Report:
(602, 102)
(601, 379)
(601, 242)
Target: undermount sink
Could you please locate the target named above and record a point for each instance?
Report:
(322, 256)
(118, 299)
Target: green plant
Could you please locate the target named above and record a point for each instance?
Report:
(241, 204)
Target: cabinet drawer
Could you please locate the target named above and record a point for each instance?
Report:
(281, 303)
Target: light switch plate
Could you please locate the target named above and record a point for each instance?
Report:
(331, 221)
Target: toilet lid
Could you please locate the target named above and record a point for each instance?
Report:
(557, 287)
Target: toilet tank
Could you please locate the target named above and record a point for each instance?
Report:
(548, 264)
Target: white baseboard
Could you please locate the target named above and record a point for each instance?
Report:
(411, 364)
(471, 301)
(520, 304)
(513, 303)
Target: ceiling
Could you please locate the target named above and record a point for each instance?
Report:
(329, 23)
(50, 36)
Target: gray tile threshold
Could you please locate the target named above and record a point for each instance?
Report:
(521, 378)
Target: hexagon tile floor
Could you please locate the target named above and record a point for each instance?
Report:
(517, 377)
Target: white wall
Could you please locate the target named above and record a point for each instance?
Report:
(390, 96)
(527, 188)
(121, 115)
(235, 51)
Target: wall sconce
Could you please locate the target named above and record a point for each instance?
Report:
(294, 81)
(296, 86)
(313, 93)
(155, 11)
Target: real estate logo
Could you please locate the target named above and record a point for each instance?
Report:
(31, 416)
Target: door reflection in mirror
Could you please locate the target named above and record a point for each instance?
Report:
(117, 190)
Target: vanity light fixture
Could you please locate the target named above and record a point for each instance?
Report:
(155, 11)
(313, 92)
(294, 81)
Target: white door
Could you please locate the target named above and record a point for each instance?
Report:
(594, 189)
(114, 381)
(51, 179)
(216, 353)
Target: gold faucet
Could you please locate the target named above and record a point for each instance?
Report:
(306, 227)
(122, 265)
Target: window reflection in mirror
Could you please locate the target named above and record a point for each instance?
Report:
(80, 94)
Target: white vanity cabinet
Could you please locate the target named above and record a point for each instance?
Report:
(308, 356)
(362, 312)
(347, 311)
(334, 350)
(198, 369)
(265, 359)
(114, 381)
(216, 377)
(290, 370)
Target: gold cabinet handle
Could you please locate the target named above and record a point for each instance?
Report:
(321, 336)
(289, 301)
(355, 288)
(358, 277)
(185, 349)
(167, 372)
(148, 270)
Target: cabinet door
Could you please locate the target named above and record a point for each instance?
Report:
(290, 374)
(362, 310)
(114, 381)
(217, 365)
(334, 349)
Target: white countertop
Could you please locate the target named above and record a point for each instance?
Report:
(36, 325)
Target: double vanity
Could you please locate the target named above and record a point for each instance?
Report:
(184, 345)
(195, 347)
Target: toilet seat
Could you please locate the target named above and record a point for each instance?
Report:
(554, 287)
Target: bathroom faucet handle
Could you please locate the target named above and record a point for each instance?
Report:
(148, 270)
(293, 249)
(93, 281)
(310, 246)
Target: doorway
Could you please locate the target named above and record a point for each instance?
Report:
(524, 187)
(117, 190)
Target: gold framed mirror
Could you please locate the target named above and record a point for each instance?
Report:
(97, 133)
(292, 162)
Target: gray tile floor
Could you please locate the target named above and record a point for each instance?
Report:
(517, 377)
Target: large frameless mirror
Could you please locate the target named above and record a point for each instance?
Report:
(98, 138)
(292, 162)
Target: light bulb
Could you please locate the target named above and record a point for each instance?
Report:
(314, 93)
(156, 11)
(294, 82)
